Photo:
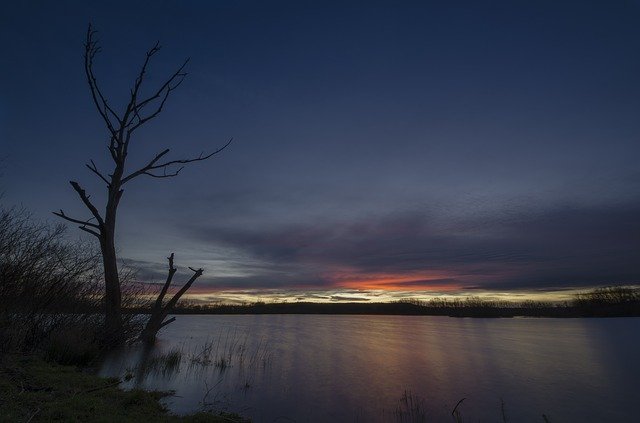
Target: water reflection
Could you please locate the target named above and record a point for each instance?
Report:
(380, 368)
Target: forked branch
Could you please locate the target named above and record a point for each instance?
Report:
(91, 48)
(154, 165)
(92, 167)
(83, 223)
(159, 312)
(85, 199)
(79, 221)
(162, 94)
(172, 302)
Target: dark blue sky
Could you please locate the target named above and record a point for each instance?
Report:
(400, 146)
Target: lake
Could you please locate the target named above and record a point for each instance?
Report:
(320, 368)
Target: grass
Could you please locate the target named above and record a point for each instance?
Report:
(166, 363)
(226, 352)
(33, 390)
(173, 359)
(412, 408)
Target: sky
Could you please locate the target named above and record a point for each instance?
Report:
(381, 150)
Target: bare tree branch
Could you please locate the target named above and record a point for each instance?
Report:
(92, 167)
(70, 219)
(158, 312)
(138, 108)
(94, 233)
(132, 106)
(153, 166)
(172, 302)
(145, 168)
(143, 70)
(85, 199)
(169, 84)
(91, 49)
(172, 271)
(166, 322)
(165, 174)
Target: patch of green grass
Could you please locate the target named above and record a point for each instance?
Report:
(32, 390)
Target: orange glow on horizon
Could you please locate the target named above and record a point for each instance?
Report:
(402, 282)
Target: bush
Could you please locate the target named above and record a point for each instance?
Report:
(69, 345)
(47, 284)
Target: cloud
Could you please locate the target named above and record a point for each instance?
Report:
(516, 248)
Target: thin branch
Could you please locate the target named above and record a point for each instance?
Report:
(197, 159)
(92, 167)
(132, 106)
(453, 412)
(143, 70)
(166, 86)
(91, 49)
(143, 120)
(166, 322)
(94, 233)
(70, 219)
(85, 199)
(146, 170)
(165, 174)
(172, 271)
(172, 302)
(113, 149)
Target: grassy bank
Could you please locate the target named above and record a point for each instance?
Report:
(33, 390)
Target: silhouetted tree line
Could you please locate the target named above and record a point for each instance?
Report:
(600, 302)
(609, 301)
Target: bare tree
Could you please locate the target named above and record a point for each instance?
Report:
(121, 126)
(160, 310)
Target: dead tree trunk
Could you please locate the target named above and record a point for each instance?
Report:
(113, 295)
(160, 311)
(121, 127)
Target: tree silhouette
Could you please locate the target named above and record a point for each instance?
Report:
(121, 127)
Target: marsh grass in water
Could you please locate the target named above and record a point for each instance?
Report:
(229, 351)
(222, 353)
(412, 408)
(170, 361)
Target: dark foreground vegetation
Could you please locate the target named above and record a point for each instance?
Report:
(621, 301)
(33, 390)
(52, 332)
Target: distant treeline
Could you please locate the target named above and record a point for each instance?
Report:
(602, 302)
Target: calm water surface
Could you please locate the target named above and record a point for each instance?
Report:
(310, 368)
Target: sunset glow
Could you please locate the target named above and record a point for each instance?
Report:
(402, 282)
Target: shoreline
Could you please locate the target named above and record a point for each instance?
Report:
(410, 309)
(37, 390)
